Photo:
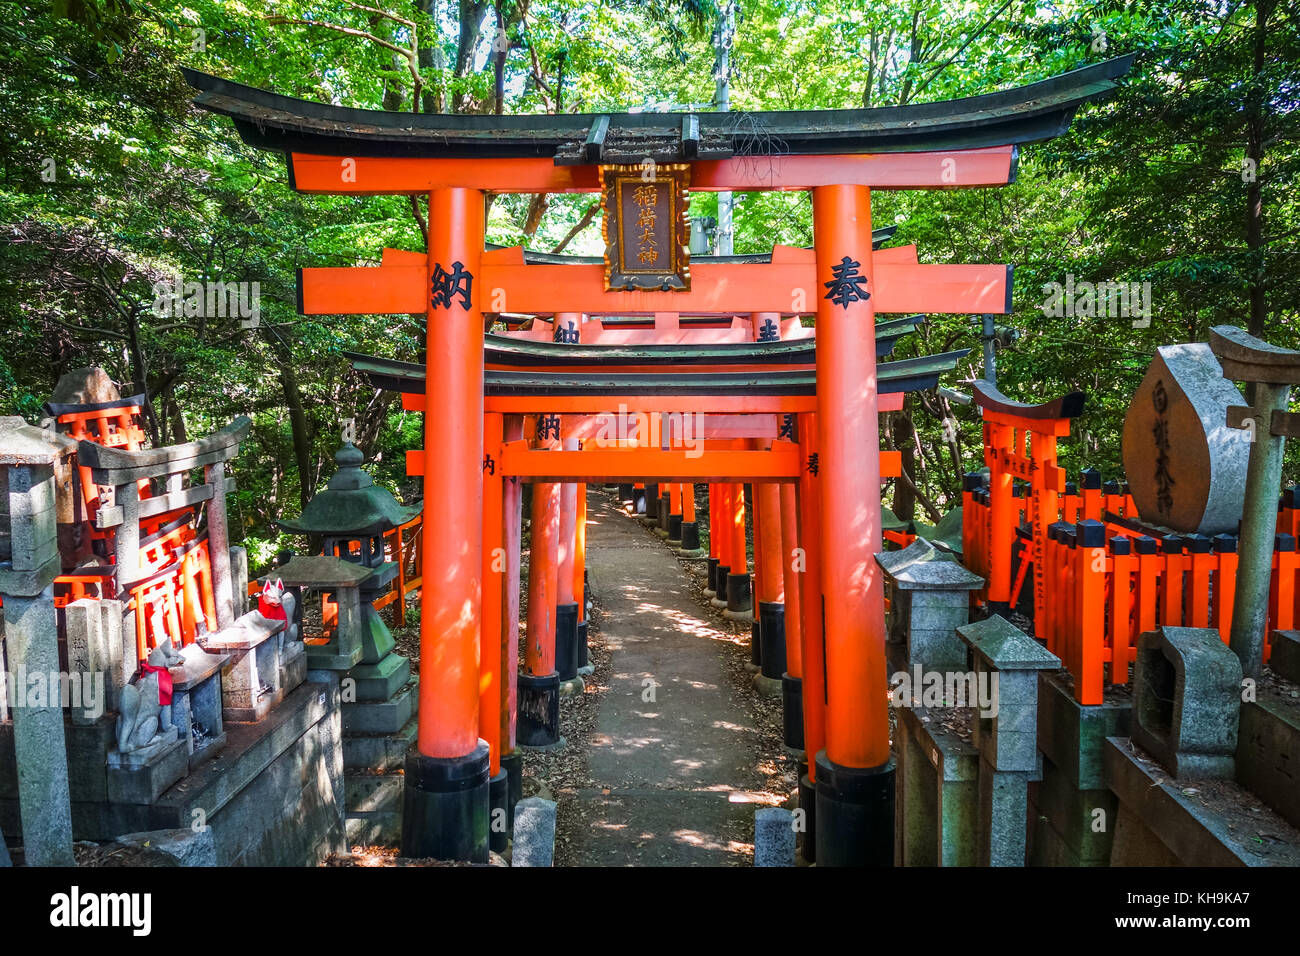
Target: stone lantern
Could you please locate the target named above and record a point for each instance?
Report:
(378, 693)
(351, 516)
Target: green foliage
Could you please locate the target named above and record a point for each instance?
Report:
(1149, 186)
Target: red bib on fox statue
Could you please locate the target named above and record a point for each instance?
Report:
(275, 604)
(270, 602)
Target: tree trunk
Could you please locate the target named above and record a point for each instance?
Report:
(297, 423)
(472, 16)
(1258, 321)
(905, 442)
(500, 49)
(432, 61)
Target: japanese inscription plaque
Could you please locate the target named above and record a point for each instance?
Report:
(646, 230)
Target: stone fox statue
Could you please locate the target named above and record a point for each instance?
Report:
(277, 604)
(145, 710)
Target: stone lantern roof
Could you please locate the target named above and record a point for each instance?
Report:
(352, 504)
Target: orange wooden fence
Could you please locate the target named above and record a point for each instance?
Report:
(1109, 582)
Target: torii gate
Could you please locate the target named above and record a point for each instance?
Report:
(837, 155)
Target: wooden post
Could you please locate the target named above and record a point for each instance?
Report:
(507, 707)
(446, 804)
(543, 580)
(1091, 608)
(855, 814)
(812, 606)
(1002, 518)
(1225, 583)
(493, 619)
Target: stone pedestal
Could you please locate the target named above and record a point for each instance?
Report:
(1074, 814)
(142, 775)
(29, 560)
(197, 703)
(1007, 662)
(379, 726)
(929, 599)
(937, 813)
(1285, 658)
(250, 678)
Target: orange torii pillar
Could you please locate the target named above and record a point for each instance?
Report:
(493, 650)
(566, 604)
(792, 566)
(580, 579)
(812, 605)
(568, 331)
(740, 594)
(855, 773)
(690, 543)
(674, 529)
(512, 758)
(769, 586)
(446, 799)
(721, 530)
(539, 684)
(715, 540)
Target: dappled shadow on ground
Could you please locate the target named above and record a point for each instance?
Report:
(674, 754)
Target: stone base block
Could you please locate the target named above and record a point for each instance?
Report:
(180, 847)
(936, 822)
(142, 776)
(1083, 821)
(1284, 658)
(1072, 736)
(293, 665)
(1004, 815)
(381, 717)
(1268, 743)
(381, 681)
(767, 686)
(374, 808)
(1195, 832)
(379, 751)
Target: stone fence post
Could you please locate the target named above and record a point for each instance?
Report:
(1006, 734)
(29, 561)
(930, 599)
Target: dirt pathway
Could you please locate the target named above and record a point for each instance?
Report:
(672, 762)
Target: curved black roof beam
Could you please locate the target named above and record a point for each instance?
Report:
(1023, 114)
(986, 395)
(907, 375)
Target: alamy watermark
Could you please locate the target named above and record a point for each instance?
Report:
(918, 688)
(179, 299)
(682, 430)
(1098, 300)
(82, 691)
